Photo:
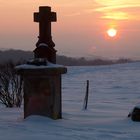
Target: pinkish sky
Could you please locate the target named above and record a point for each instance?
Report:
(81, 27)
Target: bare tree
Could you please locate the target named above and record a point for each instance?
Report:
(10, 86)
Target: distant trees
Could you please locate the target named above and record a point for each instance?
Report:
(10, 86)
(12, 55)
(123, 60)
(69, 61)
(15, 56)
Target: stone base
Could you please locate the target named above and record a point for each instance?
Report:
(42, 90)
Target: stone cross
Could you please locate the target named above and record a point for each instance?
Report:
(42, 85)
(45, 17)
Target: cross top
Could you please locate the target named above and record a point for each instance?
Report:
(44, 17)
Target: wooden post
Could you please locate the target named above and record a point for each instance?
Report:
(86, 96)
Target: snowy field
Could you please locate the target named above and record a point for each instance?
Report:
(114, 91)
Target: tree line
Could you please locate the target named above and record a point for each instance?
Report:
(22, 56)
(69, 61)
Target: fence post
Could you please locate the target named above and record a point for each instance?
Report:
(86, 96)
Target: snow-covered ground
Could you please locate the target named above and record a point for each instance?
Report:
(114, 91)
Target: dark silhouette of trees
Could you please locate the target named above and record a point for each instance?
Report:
(10, 86)
(69, 61)
(20, 56)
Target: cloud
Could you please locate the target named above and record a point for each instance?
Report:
(117, 10)
(73, 14)
(116, 15)
(114, 7)
(120, 3)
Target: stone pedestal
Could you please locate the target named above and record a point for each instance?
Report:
(42, 90)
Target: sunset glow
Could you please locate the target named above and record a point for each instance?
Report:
(84, 23)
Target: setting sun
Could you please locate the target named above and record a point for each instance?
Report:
(112, 32)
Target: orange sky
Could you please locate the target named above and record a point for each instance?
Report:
(80, 29)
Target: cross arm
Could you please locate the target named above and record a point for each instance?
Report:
(52, 17)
